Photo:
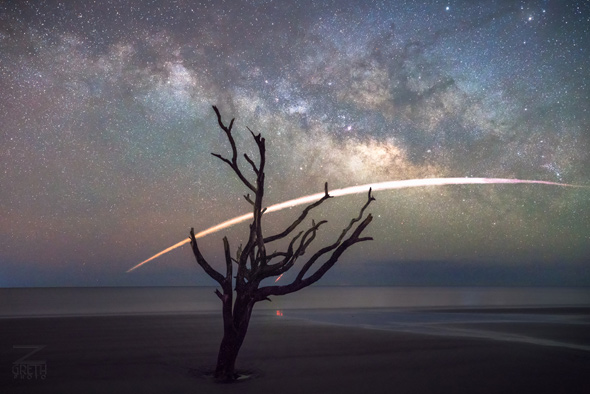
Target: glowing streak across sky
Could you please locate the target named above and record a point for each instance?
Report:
(390, 185)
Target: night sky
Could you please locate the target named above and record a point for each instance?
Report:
(106, 130)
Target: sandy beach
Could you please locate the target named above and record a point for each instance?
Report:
(168, 353)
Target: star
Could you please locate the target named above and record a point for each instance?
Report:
(107, 127)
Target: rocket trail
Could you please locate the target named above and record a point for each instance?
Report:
(390, 185)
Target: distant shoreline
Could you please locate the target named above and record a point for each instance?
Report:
(171, 300)
(537, 309)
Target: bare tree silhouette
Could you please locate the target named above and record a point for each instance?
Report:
(254, 263)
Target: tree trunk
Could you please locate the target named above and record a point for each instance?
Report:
(233, 338)
(226, 359)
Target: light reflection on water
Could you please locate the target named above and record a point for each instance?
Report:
(502, 324)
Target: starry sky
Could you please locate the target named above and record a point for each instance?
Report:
(106, 130)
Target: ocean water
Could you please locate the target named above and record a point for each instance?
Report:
(550, 327)
(21, 302)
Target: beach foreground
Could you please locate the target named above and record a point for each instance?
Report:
(168, 354)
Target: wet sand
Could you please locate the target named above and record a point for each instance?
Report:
(167, 354)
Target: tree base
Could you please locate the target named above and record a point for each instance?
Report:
(241, 375)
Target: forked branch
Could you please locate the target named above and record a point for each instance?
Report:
(233, 163)
(337, 248)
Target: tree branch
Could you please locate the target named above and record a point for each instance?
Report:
(291, 256)
(233, 163)
(273, 269)
(247, 197)
(337, 249)
(202, 262)
(228, 261)
(251, 163)
(296, 285)
(300, 218)
(327, 249)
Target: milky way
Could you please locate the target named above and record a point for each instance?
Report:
(106, 128)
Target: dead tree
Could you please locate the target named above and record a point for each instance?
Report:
(254, 263)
